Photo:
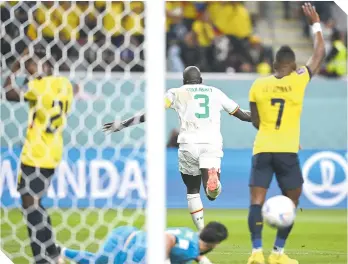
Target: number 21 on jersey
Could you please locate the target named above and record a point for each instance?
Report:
(63, 109)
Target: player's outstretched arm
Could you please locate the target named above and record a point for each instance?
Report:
(170, 243)
(318, 56)
(118, 126)
(243, 115)
(255, 118)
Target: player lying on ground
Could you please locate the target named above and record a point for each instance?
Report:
(200, 142)
(49, 101)
(276, 105)
(128, 245)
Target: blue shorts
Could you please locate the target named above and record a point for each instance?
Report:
(285, 166)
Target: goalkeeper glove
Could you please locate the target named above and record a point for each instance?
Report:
(113, 127)
(204, 260)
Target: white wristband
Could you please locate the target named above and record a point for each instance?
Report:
(316, 27)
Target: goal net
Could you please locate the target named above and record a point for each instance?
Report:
(101, 182)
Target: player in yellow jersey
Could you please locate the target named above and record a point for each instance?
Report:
(276, 105)
(49, 99)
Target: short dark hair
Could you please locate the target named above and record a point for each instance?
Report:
(213, 233)
(285, 55)
(192, 75)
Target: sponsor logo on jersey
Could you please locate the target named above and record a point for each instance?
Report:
(301, 70)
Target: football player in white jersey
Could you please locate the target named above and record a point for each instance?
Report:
(200, 141)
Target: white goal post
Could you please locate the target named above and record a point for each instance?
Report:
(155, 153)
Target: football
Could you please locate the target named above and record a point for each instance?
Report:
(279, 211)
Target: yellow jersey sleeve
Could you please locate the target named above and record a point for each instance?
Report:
(304, 75)
(69, 94)
(34, 90)
(252, 92)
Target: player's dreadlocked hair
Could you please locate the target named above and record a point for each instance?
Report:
(213, 233)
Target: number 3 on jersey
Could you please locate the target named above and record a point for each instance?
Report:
(204, 105)
(281, 103)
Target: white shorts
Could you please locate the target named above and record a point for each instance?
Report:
(193, 157)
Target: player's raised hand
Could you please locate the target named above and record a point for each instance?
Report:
(310, 12)
(112, 127)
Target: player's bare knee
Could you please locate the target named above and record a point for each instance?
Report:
(258, 195)
(294, 195)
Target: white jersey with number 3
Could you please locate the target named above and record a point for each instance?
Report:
(198, 107)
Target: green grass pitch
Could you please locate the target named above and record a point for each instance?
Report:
(319, 236)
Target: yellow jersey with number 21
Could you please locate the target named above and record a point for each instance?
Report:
(50, 100)
(279, 102)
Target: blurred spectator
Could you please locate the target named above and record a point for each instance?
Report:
(189, 13)
(287, 7)
(15, 28)
(68, 16)
(134, 21)
(217, 36)
(254, 11)
(328, 28)
(190, 53)
(324, 10)
(236, 63)
(113, 22)
(134, 25)
(47, 23)
(174, 61)
(176, 29)
(205, 35)
(88, 20)
(337, 57)
(232, 19)
(5, 45)
(262, 56)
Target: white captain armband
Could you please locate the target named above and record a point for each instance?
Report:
(316, 27)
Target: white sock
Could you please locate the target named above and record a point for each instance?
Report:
(257, 250)
(278, 250)
(216, 192)
(196, 209)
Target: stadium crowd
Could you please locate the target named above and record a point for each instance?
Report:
(215, 36)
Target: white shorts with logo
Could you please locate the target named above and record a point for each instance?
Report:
(193, 157)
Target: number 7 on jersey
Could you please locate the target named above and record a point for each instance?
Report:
(281, 103)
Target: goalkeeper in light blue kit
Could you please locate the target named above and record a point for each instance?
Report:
(127, 245)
